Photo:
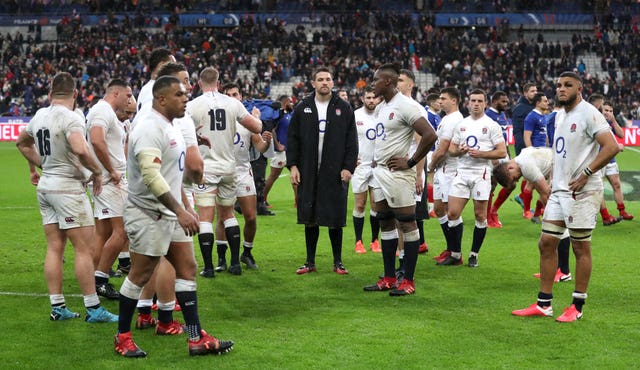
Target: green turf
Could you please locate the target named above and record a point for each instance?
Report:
(458, 318)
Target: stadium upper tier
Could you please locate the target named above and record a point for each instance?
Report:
(63, 7)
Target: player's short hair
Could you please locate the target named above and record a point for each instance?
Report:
(537, 98)
(230, 85)
(163, 83)
(434, 90)
(171, 68)
(394, 68)
(283, 97)
(573, 75)
(501, 174)
(320, 69)
(478, 92)
(409, 74)
(117, 82)
(369, 89)
(431, 98)
(497, 96)
(595, 97)
(452, 92)
(209, 76)
(62, 85)
(526, 87)
(157, 57)
(608, 102)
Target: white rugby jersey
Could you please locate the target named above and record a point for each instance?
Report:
(145, 97)
(445, 131)
(394, 130)
(414, 144)
(535, 163)
(482, 134)
(217, 113)
(366, 127)
(241, 145)
(188, 129)
(50, 128)
(575, 146)
(154, 131)
(103, 115)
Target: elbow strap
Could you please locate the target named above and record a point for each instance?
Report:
(150, 163)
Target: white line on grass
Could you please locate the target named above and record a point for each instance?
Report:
(18, 207)
(26, 294)
(632, 149)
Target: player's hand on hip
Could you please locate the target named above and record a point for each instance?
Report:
(97, 183)
(578, 183)
(116, 177)
(397, 163)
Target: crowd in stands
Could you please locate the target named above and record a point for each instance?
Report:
(353, 44)
(621, 7)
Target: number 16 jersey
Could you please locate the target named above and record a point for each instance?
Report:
(50, 128)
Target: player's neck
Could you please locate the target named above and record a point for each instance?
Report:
(477, 116)
(388, 95)
(323, 98)
(68, 103)
(569, 108)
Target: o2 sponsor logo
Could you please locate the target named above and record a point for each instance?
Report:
(380, 134)
(472, 142)
(560, 147)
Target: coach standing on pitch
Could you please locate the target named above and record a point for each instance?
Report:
(322, 151)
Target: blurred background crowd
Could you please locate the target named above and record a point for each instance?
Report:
(352, 37)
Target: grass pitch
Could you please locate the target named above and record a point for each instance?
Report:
(458, 318)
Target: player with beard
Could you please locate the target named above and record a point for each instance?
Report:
(362, 181)
(583, 144)
(322, 172)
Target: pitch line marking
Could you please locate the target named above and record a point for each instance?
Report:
(27, 294)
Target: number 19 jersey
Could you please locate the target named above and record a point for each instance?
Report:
(217, 113)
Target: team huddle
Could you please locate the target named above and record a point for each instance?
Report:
(180, 165)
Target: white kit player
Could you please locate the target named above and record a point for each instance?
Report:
(245, 187)
(362, 180)
(216, 115)
(54, 140)
(107, 137)
(476, 141)
(443, 164)
(583, 144)
(394, 194)
(535, 164)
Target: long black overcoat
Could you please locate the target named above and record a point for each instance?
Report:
(322, 196)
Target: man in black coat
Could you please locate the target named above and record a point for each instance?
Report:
(322, 151)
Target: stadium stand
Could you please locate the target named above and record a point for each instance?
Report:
(269, 56)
